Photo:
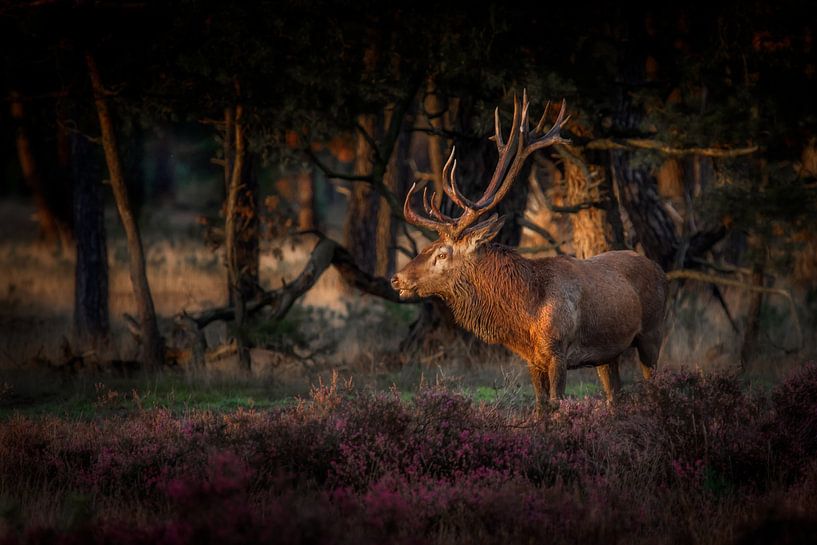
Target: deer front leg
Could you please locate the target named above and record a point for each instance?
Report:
(541, 385)
(557, 375)
(610, 378)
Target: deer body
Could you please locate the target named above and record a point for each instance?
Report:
(556, 313)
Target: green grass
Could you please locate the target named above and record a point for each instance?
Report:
(87, 399)
(90, 397)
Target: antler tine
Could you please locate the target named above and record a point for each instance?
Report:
(426, 206)
(461, 200)
(552, 136)
(524, 126)
(432, 209)
(506, 154)
(497, 137)
(512, 155)
(416, 219)
(450, 183)
(541, 124)
(525, 149)
(526, 146)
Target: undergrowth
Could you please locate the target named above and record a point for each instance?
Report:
(688, 458)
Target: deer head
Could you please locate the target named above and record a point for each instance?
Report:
(437, 268)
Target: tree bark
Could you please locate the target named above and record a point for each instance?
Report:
(396, 179)
(52, 228)
(433, 108)
(241, 235)
(306, 199)
(91, 323)
(596, 228)
(361, 216)
(749, 347)
(152, 344)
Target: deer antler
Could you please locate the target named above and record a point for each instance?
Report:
(512, 155)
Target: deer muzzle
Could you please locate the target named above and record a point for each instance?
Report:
(401, 284)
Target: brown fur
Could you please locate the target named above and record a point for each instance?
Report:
(556, 313)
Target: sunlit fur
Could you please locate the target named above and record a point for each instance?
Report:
(557, 313)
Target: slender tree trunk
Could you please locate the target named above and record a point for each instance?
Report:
(396, 180)
(237, 221)
(306, 199)
(748, 350)
(228, 145)
(435, 144)
(91, 322)
(50, 225)
(152, 343)
(361, 216)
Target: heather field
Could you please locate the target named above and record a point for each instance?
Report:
(692, 457)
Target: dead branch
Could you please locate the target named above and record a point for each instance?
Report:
(329, 173)
(326, 253)
(524, 222)
(574, 208)
(644, 143)
(713, 279)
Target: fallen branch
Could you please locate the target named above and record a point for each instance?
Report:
(713, 279)
(326, 253)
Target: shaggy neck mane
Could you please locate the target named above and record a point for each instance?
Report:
(492, 293)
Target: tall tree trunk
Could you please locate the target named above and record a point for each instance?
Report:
(241, 234)
(361, 216)
(306, 199)
(596, 229)
(433, 108)
(396, 179)
(152, 344)
(91, 322)
(748, 349)
(52, 229)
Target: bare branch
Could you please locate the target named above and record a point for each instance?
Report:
(644, 143)
(574, 208)
(370, 140)
(524, 222)
(333, 174)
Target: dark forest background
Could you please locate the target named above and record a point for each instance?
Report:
(692, 140)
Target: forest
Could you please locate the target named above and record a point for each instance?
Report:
(238, 252)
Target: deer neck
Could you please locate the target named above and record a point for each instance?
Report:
(490, 295)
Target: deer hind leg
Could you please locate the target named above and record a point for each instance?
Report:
(610, 378)
(541, 386)
(649, 347)
(557, 374)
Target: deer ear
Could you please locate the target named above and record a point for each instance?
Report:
(484, 231)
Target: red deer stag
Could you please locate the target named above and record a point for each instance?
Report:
(557, 313)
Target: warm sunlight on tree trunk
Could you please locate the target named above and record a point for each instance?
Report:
(152, 344)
